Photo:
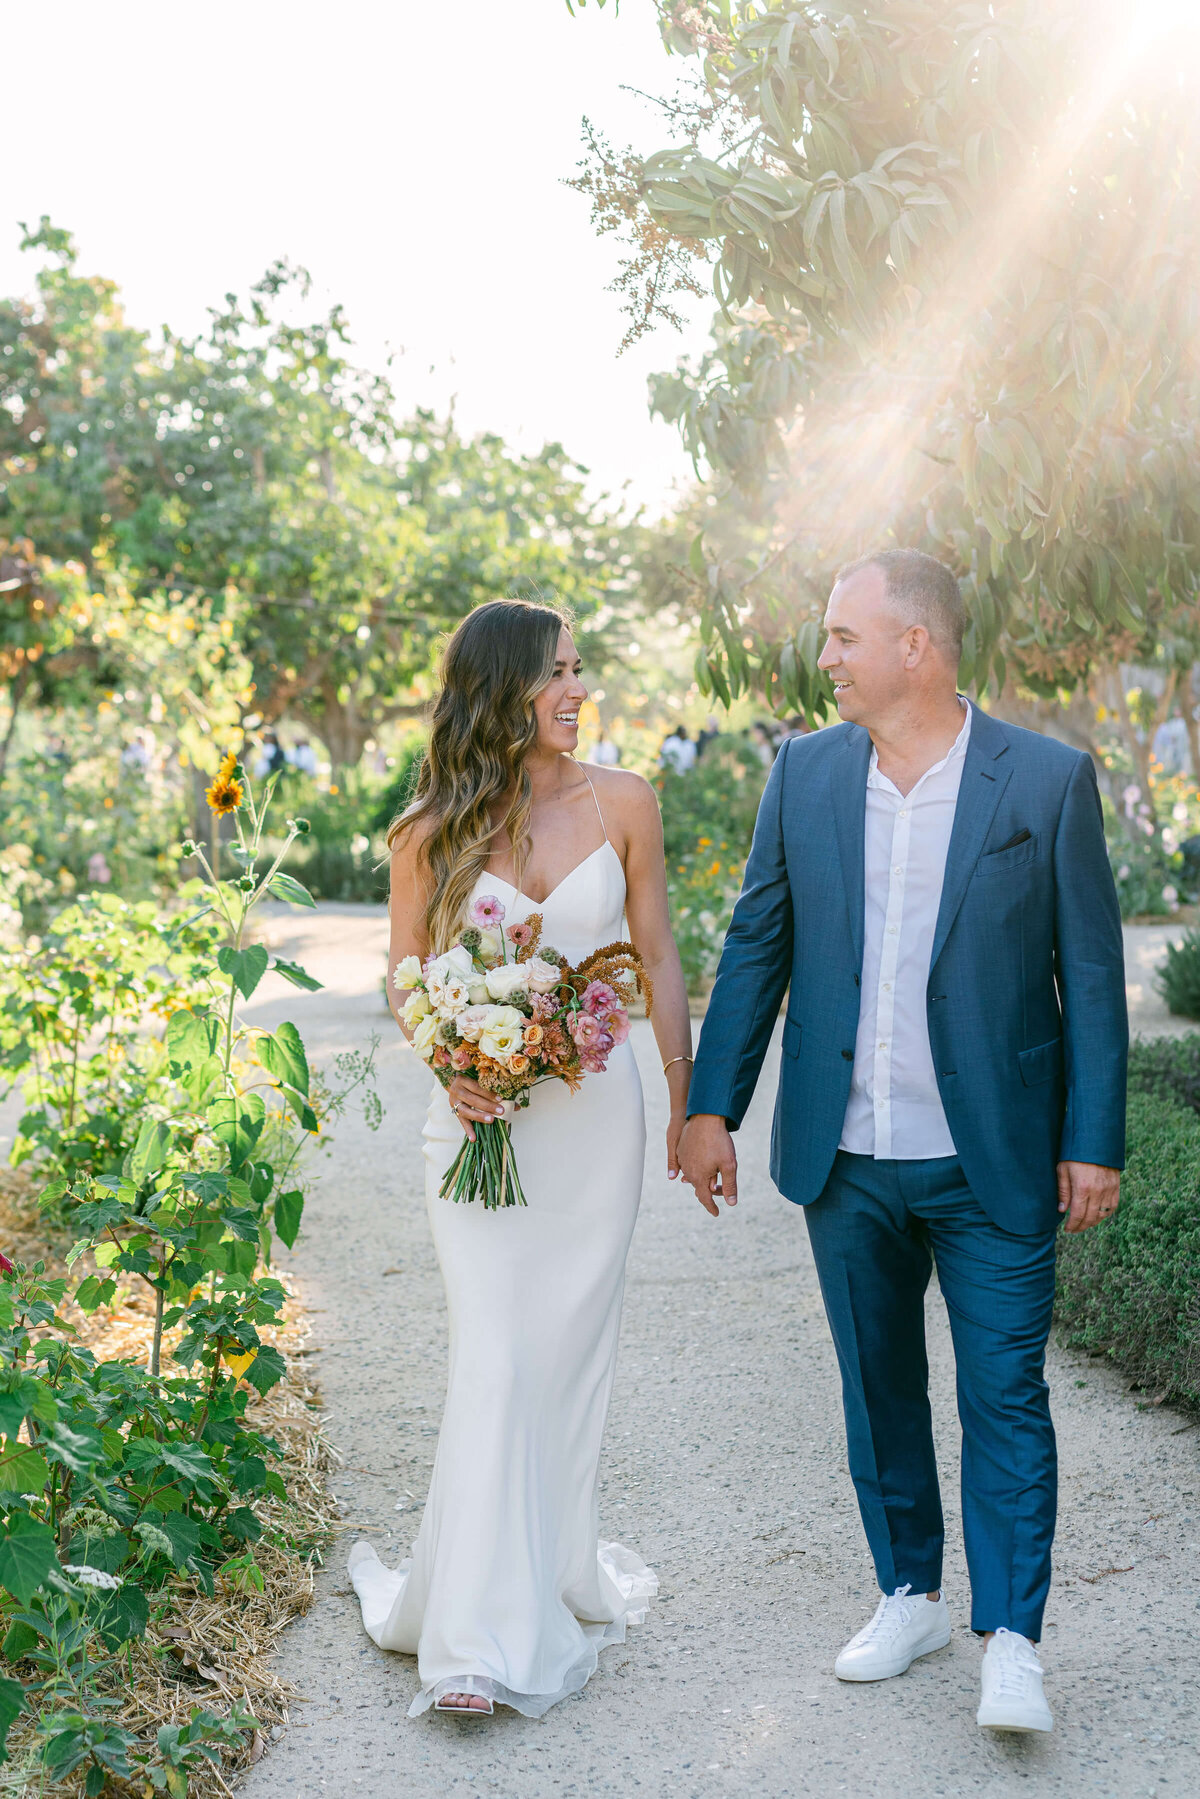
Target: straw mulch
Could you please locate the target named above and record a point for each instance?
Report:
(201, 1652)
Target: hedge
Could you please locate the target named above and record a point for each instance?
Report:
(1131, 1288)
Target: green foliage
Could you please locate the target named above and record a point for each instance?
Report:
(708, 821)
(1129, 1287)
(936, 232)
(255, 473)
(173, 1131)
(1179, 976)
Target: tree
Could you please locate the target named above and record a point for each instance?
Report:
(257, 464)
(956, 249)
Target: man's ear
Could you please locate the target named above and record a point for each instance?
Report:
(916, 643)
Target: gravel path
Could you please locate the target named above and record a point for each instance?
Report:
(725, 1467)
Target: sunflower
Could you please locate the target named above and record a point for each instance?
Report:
(225, 794)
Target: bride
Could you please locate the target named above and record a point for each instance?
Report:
(510, 1593)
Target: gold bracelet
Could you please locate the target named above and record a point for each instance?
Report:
(675, 1059)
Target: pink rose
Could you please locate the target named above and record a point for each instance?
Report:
(617, 1024)
(460, 1057)
(487, 910)
(585, 1029)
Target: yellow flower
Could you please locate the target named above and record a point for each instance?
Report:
(225, 794)
(705, 843)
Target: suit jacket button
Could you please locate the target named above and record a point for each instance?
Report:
(948, 1071)
(848, 1055)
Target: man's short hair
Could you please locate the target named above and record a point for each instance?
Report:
(923, 590)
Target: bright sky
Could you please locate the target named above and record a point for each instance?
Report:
(409, 153)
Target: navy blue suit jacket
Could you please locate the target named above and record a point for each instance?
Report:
(1026, 992)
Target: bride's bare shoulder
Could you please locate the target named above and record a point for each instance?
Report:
(627, 798)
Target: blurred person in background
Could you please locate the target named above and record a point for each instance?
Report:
(605, 753)
(678, 751)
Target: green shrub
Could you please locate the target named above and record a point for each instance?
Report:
(1167, 1065)
(1131, 1287)
(1179, 977)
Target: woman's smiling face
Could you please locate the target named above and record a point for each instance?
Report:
(556, 707)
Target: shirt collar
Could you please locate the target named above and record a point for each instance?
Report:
(957, 750)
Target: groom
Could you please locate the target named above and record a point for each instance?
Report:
(930, 886)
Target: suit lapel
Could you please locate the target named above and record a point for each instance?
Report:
(848, 795)
(985, 775)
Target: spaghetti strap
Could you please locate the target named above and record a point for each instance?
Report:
(583, 771)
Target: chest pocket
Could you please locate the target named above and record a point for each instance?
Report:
(1019, 856)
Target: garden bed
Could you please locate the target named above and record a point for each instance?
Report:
(214, 1651)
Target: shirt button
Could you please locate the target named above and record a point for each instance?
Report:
(887, 986)
(883, 1044)
(903, 813)
(892, 929)
(897, 869)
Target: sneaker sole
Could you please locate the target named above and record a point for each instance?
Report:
(889, 1670)
(1003, 1723)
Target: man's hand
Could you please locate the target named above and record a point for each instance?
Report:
(1088, 1192)
(709, 1161)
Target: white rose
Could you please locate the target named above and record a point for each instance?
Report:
(491, 946)
(455, 965)
(541, 977)
(472, 1021)
(406, 974)
(416, 1007)
(455, 995)
(503, 1033)
(425, 1037)
(479, 993)
(509, 979)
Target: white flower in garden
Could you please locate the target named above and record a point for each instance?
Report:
(708, 922)
(91, 1577)
(542, 976)
(1147, 825)
(1123, 872)
(406, 974)
(425, 1037)
(1170, 896)
(503, 1033)
(155, 1541)
(416, 1007)
(1179, 812)
(507, 980)
(1169, 840)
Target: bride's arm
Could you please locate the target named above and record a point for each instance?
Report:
(407, 899)
(650, 929)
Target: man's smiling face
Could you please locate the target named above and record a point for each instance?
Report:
(866, 646)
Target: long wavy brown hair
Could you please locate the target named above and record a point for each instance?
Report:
(494, 666)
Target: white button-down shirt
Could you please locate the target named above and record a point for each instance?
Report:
(895, 1109)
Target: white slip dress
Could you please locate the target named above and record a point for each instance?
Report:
(509, 1593)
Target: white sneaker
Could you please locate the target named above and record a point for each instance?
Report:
(1012, 1686)
(905, 1626)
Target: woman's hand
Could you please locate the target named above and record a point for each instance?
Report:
(675, 1126)
(472, 1104)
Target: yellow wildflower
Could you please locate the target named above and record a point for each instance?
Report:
(225, 794)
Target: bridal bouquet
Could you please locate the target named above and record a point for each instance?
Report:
(510, 1013)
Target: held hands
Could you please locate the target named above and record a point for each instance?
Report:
(1088, 1193)
(472, 1104)
(709, 1161)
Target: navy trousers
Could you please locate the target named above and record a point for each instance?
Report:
(876, 1231)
